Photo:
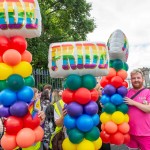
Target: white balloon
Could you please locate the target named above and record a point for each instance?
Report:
(20, 17)
(78, 58)
(118, 47)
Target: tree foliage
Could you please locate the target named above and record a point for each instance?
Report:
(62, 20)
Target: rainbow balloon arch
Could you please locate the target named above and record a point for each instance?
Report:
(19, 19)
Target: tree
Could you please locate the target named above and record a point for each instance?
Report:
(62, 20)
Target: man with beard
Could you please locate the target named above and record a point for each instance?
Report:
(139, 112)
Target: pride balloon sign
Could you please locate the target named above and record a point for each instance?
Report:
(19, 19)
(114, 118)
(78, 58)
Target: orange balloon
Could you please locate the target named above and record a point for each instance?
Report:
(111, 73)
(103, 126)
(122, 73)
(8, 142)
(25, 138)
(12, 57)
(124, 127)
(39, 133)
(110, 127)
(26, 56)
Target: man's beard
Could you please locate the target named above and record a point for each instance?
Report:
(139, 86)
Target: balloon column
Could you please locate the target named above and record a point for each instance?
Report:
(79, 63)
(23, 21)
(114, 118)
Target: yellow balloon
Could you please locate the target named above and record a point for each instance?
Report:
(117, 117)
(104, 117)
(23, 68)
(5, 71)
(98, 143)
(86, 145)
(126, 118)
(67, 145)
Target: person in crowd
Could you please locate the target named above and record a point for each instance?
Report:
(99, 89)
(55, 96)
(138, 99)
(48, 87)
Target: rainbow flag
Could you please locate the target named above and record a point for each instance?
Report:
(31, 109)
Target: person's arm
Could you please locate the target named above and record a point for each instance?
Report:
(144, 107)
(41, 115)
(60, 121)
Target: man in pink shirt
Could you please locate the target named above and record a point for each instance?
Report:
(139, 113)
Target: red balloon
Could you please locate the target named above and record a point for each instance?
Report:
(126, 138)
(30, 122)
(116, 81)
(8, 142)
(18, 43)
(104, 81)
(124, 127)
(67, 96)
(82, 96)
(25, 138)
(105, 137)
(117, 138)
(122, 73)
(4, 44)
(125, 83)
(39, 133)
(26, 56)
(12, 57)
(13, 125)
(111, 73)
(94, 94)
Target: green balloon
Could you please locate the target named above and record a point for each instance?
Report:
(75, 136)
(89, 81)
(3, 85)
(117, 64)
(109, 108)
(123, 108)
(64, 84)
(29, 81)
(15, 82)
(93, 134)
(125, 66)
(111, 63)
(73, 82)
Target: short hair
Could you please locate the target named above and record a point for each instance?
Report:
(137, 71)
(47, 86)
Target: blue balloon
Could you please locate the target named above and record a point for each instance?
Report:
(104, 99)
(84, 123)
(7, 97)
(25, 94)
(96, 119)
(74, 109)
(122, 91)
(4, 111)
(109, 90)
(69, 122)
(91, 108)
(116, 99)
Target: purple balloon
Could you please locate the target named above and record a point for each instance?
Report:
(19, 109)
(122, 91)
(4, 111)
(74, 109)
(91, 108)
(109, 90)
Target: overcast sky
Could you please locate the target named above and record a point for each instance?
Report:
(133, 18)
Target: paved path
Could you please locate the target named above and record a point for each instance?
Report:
(122, 147)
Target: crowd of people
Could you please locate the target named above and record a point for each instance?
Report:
(52, 111)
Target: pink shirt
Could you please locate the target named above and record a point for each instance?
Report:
(139, 120)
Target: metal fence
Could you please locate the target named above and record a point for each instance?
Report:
(42, 77)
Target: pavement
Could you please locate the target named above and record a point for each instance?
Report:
(115, 147)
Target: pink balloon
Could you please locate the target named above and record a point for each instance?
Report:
(39, 133)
